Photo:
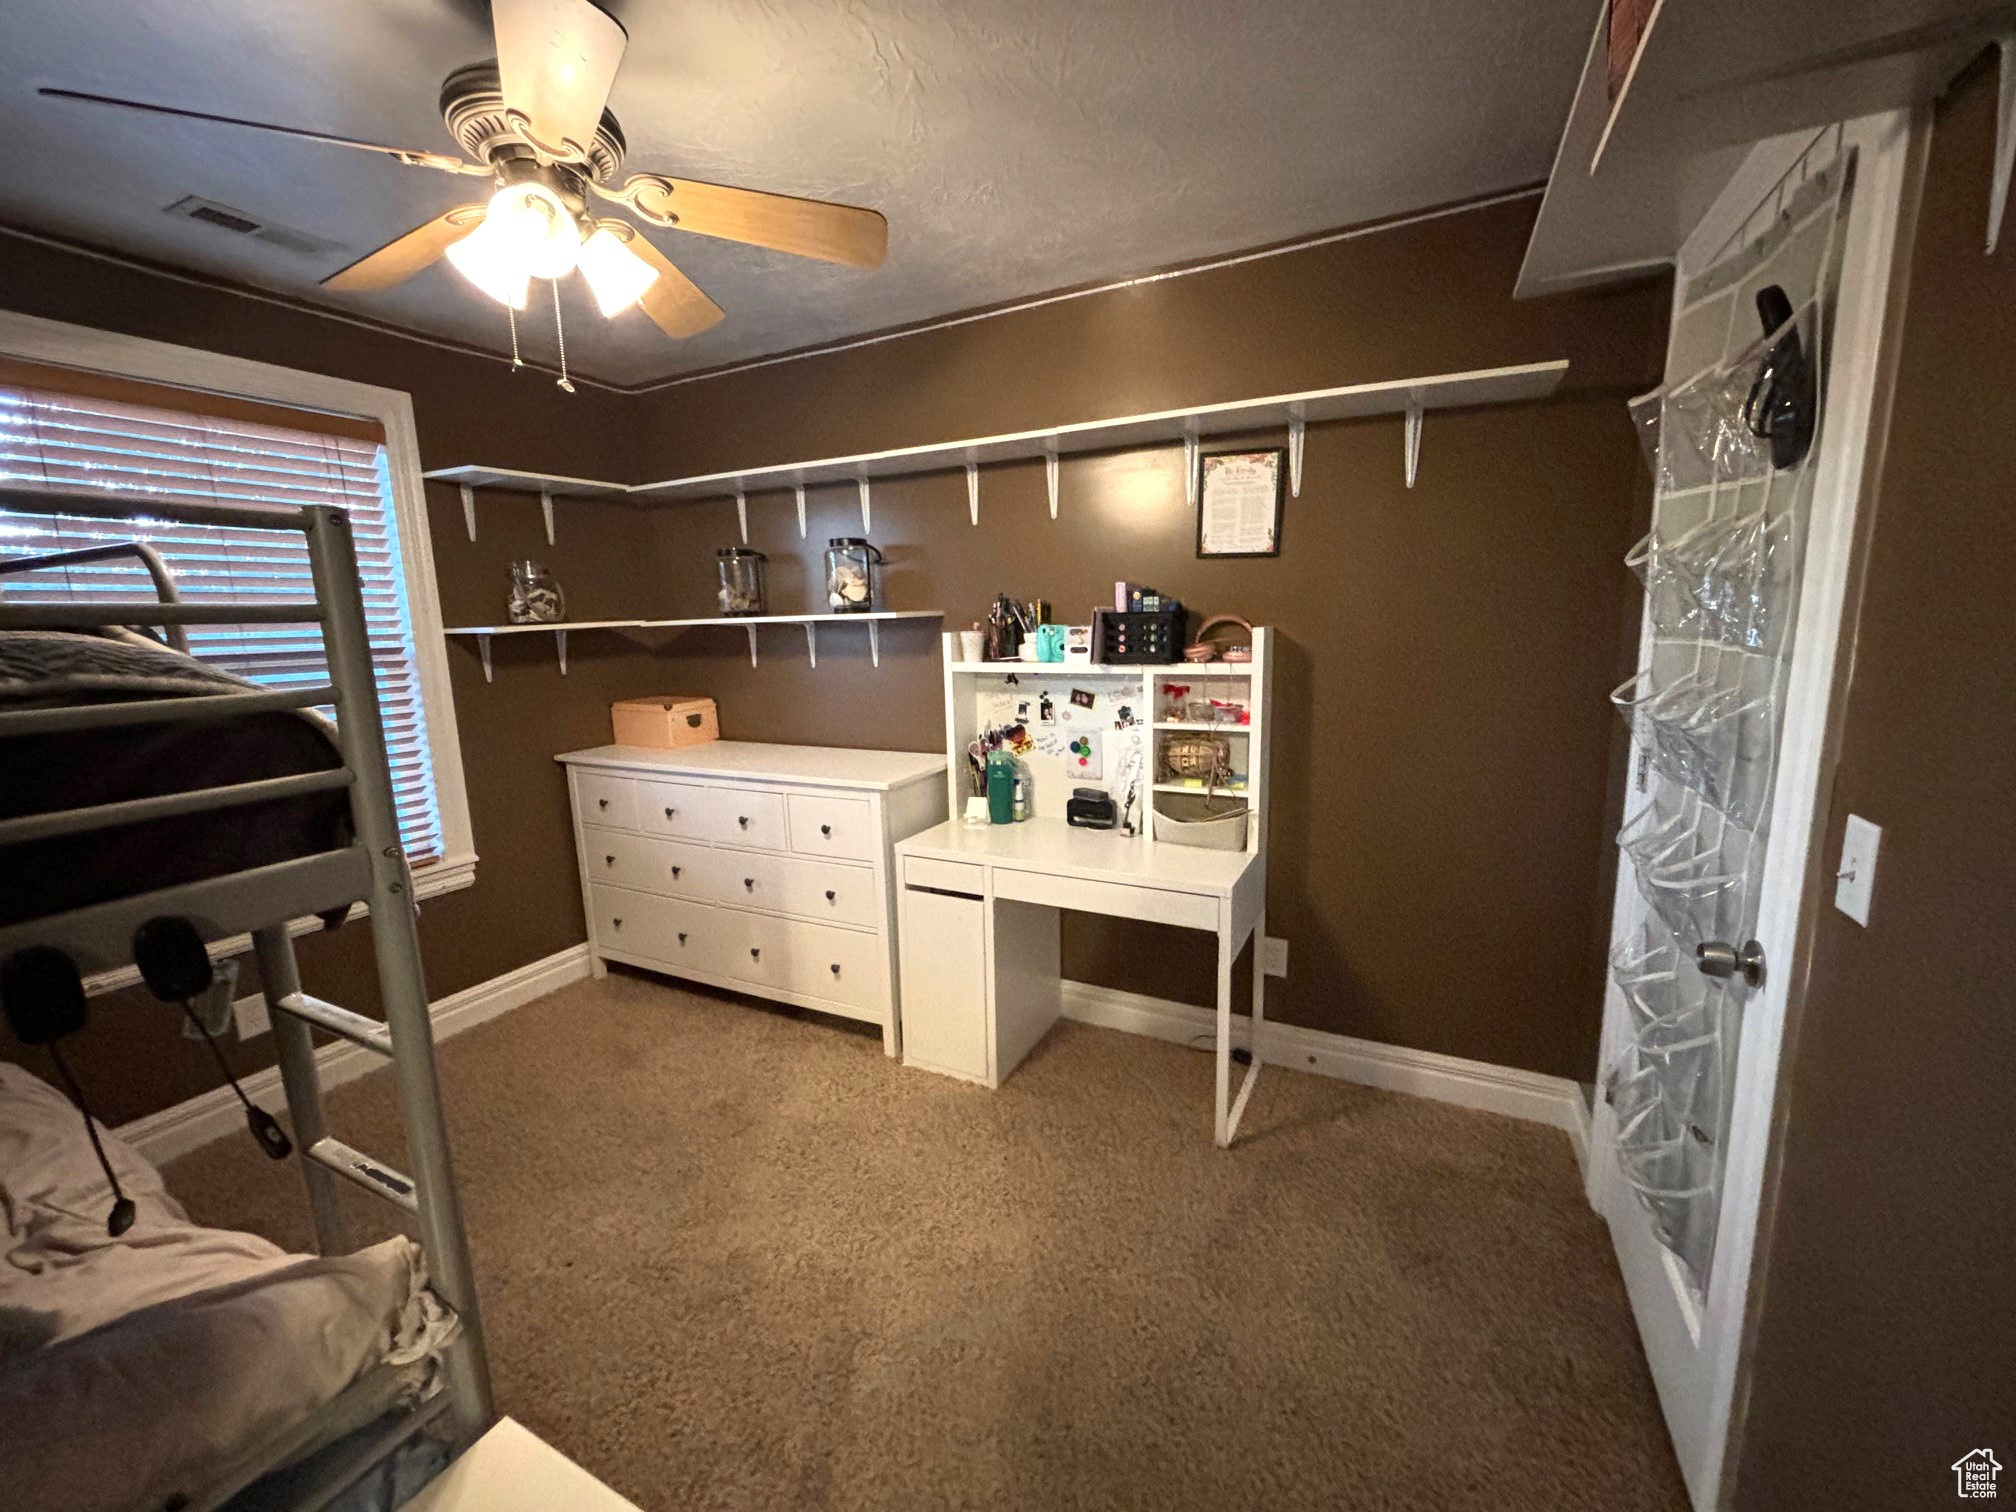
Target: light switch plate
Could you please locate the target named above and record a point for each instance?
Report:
(250, 1012)
(1855, 877)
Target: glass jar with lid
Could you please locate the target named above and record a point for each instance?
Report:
(853, 575)
(741, 570)
(535, 598)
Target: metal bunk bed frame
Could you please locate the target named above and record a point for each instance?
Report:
(263, 901)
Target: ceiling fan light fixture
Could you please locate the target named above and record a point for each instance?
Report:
(491, 262)
(537, 227)
(617, 276)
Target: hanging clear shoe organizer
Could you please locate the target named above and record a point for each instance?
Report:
(1732, 461)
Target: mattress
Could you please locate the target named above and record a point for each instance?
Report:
(75, 769)
(169, 1366)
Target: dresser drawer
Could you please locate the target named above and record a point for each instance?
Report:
(822, 826)
(743, 816)
(679, 933)
(607, 800)
(647, 863)
(672, 808)
(746, 879)
(832, 892)
(759, 948)
(840, 965)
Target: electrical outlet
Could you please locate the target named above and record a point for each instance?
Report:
(250, 1012)
(1274, 955)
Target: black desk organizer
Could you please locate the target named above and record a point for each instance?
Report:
(1127, 638)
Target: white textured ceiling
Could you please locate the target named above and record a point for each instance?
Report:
(1016, 146)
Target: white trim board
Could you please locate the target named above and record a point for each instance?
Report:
(190, 1125)
(1505, 1090)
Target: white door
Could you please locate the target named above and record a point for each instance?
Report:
(1746, 572)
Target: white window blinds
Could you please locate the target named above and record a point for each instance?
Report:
(64, 440)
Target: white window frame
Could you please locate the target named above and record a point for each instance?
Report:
(33, 339)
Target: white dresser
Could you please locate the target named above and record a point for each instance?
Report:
(762, 868)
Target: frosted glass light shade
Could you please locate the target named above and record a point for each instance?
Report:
(541, 231)
(489, 261)
(617, 277)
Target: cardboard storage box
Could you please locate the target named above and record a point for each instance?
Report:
(667, 722)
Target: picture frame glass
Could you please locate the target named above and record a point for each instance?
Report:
(1239, 502)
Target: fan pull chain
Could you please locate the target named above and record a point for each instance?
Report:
(560, 334)
(511, 315)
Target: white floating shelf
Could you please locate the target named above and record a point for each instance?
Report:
(560, 630)
(1208, 729)
(1104, 669)
(1401, 396)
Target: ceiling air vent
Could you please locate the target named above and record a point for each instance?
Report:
(238, 223)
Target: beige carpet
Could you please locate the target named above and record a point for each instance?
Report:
(733, 1257)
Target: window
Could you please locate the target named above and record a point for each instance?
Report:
(82, 429)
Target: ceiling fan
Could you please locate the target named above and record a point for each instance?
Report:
(535, 124)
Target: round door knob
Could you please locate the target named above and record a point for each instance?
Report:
(675, 871)
(749, 884)
(826, 829)
(829, 895)
(743, 820)
(1721, 960)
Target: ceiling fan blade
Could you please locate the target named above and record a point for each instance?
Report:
(440, 160)
(674, 302)
(399, 259)
(556, 60)
(807, 228)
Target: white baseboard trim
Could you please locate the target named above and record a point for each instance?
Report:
(187, 1126)
(1446, 1078)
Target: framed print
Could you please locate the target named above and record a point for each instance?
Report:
(1239, 502)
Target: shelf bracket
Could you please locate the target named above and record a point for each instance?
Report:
(2005, 140)
(874, 643)
(1190, 463)
(1296, 425)
(560, 645)
(1413, 439)
(1050, 478)
(469, 509)
(812, 642)
(973, 492)
(799, 490)
(752, 643)
(483, 648)
(742, 514)
(546, 509)
(862, 484)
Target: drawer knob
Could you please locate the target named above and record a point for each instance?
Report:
(826, 829)
(836, 968)
(682, 937)
(755, 954)
(675, 871)
(749, 884)
(617, 922)
(608, 860)
(743, 820)
(601, 803)
(670, 812)
(829, 895)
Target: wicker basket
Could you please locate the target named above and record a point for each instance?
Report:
(1193, 757)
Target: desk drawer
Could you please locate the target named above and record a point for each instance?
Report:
(945, 876)
(607, 800)
(678, 933)
(645, 863)
(673, 808)
(822, 826)
(743, 816)
(1159, 905)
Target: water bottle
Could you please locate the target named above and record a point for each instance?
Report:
(1000, 787)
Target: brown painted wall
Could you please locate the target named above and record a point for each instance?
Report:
(1883, 1327)
(1444, 749)
(525, 903)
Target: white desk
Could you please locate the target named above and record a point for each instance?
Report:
(980, 928)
